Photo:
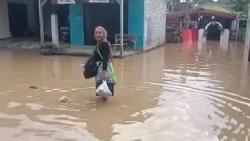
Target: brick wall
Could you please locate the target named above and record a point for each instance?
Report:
(155, 21)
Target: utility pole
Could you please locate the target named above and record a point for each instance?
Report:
(121, 27)
(247, 32)
(40, 5)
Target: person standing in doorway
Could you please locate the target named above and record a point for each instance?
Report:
(103, 54)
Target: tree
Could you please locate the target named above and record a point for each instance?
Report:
(240, 6)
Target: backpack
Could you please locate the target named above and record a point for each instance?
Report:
(91, 68)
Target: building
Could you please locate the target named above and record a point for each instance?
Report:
(145, 18)
(208, 13)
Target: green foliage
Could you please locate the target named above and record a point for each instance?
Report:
(240, 6)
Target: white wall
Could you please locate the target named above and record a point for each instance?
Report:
(30, 10)
(4, 20)
(154, 23)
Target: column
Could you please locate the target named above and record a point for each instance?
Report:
(54, 29)
(136, 20)
(76, 24)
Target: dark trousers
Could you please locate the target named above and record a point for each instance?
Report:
(110, 85)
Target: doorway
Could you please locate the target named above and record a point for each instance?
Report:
(106, 15)
(17, 19)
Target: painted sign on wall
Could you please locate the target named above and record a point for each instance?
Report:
(78, 1)
(98, 1)
(66, 2)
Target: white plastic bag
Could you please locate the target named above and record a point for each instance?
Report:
(103, 89)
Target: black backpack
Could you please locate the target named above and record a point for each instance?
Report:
(90, 67)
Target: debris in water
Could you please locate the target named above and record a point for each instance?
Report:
(65, 99)
(33, 87)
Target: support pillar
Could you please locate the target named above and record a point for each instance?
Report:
(54, 29)
(40, 6)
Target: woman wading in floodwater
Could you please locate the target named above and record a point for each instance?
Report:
(103, 54)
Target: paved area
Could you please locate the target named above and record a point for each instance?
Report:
(64, 49)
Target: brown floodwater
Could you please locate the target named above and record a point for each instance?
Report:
(177, 92)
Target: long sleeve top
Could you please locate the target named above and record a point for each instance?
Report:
(104, 50)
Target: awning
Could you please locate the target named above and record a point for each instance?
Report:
(212, 9)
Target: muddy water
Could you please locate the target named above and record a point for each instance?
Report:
(176, 92)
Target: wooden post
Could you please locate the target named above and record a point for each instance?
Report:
(40, 5)
(121, 27)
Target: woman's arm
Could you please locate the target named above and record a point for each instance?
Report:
(105, 52)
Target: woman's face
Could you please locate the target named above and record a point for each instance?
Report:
(99, 35)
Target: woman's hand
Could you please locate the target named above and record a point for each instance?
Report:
(104, 75)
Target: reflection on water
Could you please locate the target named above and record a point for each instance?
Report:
(178, 92)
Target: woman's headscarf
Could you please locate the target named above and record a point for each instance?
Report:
(104, 38)
(105, 33)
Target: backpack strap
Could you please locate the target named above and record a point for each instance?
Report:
(110, 52)
(99, 52)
